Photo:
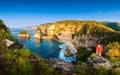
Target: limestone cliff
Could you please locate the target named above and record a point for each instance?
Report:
(38, 33)
(23, 34)
(31, 27)
(80, 33)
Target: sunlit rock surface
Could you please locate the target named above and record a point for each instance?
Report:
(99, 61)
(38, 33)
(64, 67)
(79, 33)
(47, 37)
(9, 43)
(50, 30)
(23, 35)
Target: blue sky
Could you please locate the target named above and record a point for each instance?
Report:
(21, 13)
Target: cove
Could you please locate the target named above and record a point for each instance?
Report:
(44, 48)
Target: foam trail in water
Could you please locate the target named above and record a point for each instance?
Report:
(62, 51)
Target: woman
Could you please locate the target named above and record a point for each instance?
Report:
(99, 49)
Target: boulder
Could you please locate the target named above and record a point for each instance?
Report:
(67, 52)
(9, 43)
(99, 61)
(63, 66)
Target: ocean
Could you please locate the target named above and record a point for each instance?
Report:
(43, 48)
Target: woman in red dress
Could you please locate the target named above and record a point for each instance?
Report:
(99, 49)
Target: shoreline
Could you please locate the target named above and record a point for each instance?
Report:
(64, 46)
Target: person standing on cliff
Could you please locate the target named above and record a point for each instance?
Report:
(99, 48)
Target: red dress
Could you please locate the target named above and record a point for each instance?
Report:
(99, 49)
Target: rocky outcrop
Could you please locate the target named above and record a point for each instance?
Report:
(23, 34)
(79, 33)
(69, 55)
(64, 67)
(38, 34)
(9, 43)
(31, 27)
(98, 62)
(81, 40)
(68, 45)
(47, 37)
(50, 30)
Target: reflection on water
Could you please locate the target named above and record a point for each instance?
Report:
(24, 38)
(37, 42)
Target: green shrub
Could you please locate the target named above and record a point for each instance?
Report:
(45, 69)
(24, 67)
(5, 31)
(80, 70)
(83, 54)
(116, 64)
(12, 71)
(113, 53)
(23, 32)
(24, 52)
(73, 35)
(78, 63)
(113, 49)
(10, 55)
(93, 55)
(114, 59)
(100, 71)
(113, 72)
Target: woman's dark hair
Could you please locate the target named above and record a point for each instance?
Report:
(98, 42)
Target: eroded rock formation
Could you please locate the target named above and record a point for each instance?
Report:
(79, 33)
(38, 34)
(98, 62)
(23, 34)
(65, 67)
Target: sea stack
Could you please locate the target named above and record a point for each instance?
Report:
(38, 33)
(23, 34)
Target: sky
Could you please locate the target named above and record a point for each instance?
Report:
(22, 13)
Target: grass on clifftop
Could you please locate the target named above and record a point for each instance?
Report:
(77, 27)
(88, 27)
(5, 31)
(113, 25)
(23, 32)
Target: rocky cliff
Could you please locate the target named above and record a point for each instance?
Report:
(80, 33)
(38, 33)
(31, 27)
(6, 39)
(23, 34)
(113, 25)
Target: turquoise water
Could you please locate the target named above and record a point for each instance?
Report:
(44, 48)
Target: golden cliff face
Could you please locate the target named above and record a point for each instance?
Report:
(38, 33)
(51, 29)
(79, 33)
(23, 35)
(74, 27)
